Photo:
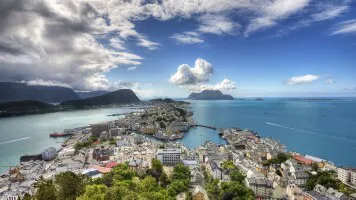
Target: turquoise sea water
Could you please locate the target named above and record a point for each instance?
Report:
(325, 129)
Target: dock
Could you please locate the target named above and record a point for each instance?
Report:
(204, 126)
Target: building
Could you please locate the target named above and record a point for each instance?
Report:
(262, 188)
(169, 156)
(97, 129)
(198, 193)
(49, 154)
(347, 175)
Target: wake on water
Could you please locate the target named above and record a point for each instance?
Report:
(15, 140)
(310, 132)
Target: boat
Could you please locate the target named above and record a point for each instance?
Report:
(55, 134)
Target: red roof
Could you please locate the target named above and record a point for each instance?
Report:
(303, 160)
(111, 164)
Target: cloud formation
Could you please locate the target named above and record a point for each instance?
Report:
(62, 41)
(187, 37)
(345, 27)
(186, 75)
(197, 78)
(300, 80)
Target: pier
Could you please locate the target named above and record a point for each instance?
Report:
(204, 126)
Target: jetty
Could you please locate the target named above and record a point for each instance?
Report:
(204, 126)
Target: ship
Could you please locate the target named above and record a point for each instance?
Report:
(55, 134)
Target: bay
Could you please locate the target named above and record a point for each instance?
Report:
(325, 128)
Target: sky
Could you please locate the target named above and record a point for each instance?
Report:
(170, 48)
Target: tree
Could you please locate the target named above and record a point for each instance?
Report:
(176, 187)
(157, 165)
(236, 190)
(69, 185)
(94, 192)
(149, 184)
(315, 167)
(45, 190)
(163, 180)
(180, 172)
(122, 172)
(236, 175)
(228, 164)
(213, 189)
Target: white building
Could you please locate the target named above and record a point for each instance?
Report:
(169, 156)
(347, 175)
(261, 187)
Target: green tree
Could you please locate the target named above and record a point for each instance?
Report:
(236, 175)
(157, 165)
(122, 172)
(164, 180)
(228, 164)
(213, 189)
(45, 190)
(236, 190)
(176, 187)
(149, 184)
(94, 192)
(69, 185)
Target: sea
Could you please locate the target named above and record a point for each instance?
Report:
(324, 128)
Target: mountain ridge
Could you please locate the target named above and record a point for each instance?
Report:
(210, 95)
(22, 92)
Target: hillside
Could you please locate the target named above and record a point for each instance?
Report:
(117, 97)
(16, 108)
(85, 95)
(210, 95)
(22, 92)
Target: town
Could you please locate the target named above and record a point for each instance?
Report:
(247, 167)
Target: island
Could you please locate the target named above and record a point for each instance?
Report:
(210, 95)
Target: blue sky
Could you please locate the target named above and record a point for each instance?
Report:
(172, 48)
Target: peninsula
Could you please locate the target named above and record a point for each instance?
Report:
(210, 95)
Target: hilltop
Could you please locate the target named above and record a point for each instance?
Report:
(22, 91)
(210, 95)
(117, 97)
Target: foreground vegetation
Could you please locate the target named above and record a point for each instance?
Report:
(230, 190)
(121, 183)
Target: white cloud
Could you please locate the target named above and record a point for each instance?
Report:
(305, 79)
(186, 75)
(197, 78)
(117, 43)
(46, 83)
(224, 85)
(131, 68)
(330, 81)
(187, 37)
(144, 42)
(330, 12)
(217, 24)
(345, 27)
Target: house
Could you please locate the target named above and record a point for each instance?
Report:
(199, 193)
(262, 187)
(135, 164)
(215, 170)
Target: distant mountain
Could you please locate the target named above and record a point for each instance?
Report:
(21, 91)
(166, 100)
(118, 97)
(160, 100)
(85, 95)
(210, 95)
(16, 108)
